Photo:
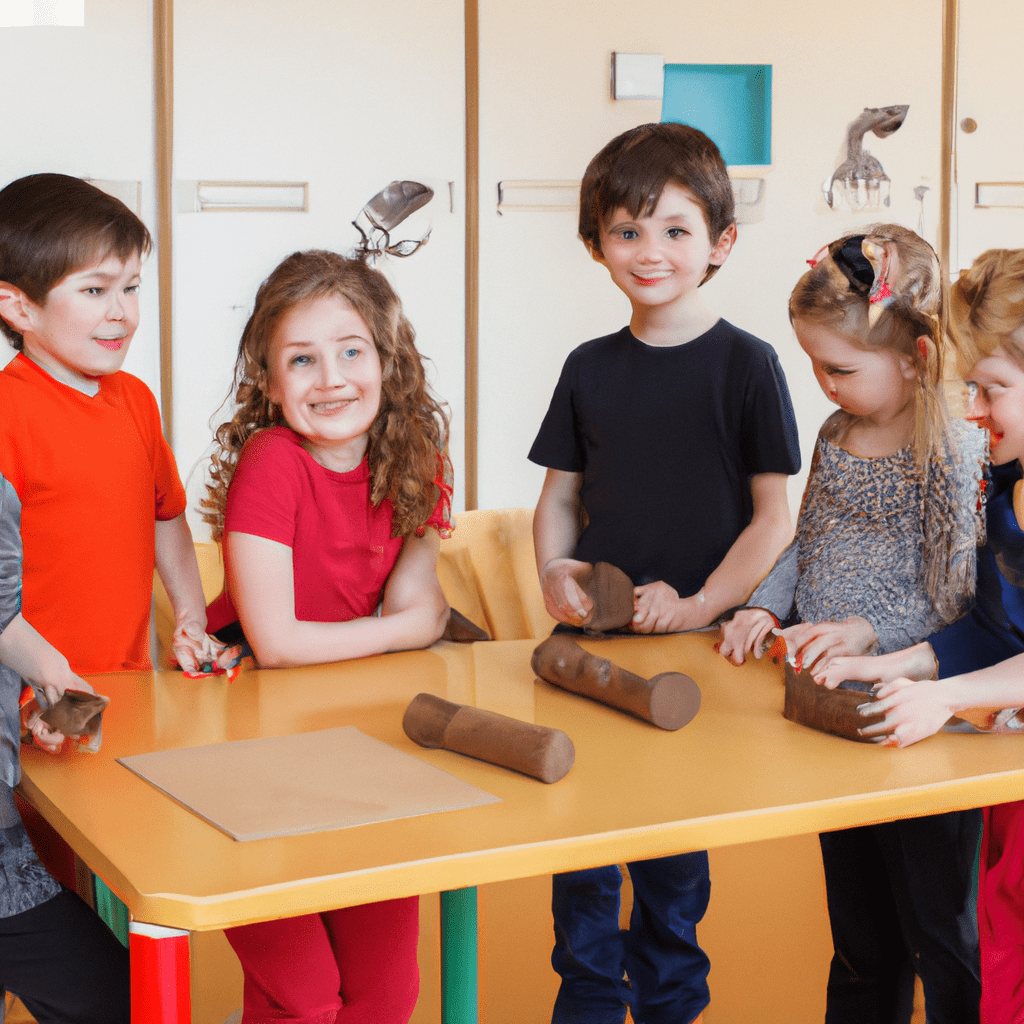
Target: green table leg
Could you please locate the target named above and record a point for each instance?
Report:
(112, 911)
(458, 957)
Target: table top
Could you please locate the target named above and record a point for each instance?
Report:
(739, 772)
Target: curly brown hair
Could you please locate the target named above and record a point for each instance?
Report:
(837, 292)
(406, 451)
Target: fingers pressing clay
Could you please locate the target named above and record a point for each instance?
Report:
(669, 700)
(545, 754)
(826, 710)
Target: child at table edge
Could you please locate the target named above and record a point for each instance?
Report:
(979, 658)
(675, 438)
(81, 441)
(55, 953)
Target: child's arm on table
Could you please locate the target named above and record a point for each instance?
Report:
(917, 663)
(915, 710)
(660, 609)
(262, 586)
(179, 572)
(44, 668)
(556, 529)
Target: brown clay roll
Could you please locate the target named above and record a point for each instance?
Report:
(826, 710)
(611, 592)
(669, 700)
(535, 750)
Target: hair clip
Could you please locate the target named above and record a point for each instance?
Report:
(848, 255)
(818, 257)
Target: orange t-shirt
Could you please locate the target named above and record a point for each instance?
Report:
(93, 475)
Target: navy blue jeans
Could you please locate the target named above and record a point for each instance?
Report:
(666, 969)
(902, 899)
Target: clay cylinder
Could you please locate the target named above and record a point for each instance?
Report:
(545, 754)
(611, 592)
(826, 710)
(669, 700)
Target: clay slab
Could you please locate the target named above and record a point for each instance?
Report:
(306, 782)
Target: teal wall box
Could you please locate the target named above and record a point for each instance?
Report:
(731, 103)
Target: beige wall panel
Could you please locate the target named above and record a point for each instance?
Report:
(545, 110)
(346, 96)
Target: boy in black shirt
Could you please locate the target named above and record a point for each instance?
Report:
(671, 440)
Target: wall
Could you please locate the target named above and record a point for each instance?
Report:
(80, 101)
(347, 97)
(545, 110)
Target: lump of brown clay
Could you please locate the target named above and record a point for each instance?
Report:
(546, 754)
(77, 713)
(611, 592)
(826, 710)
(669, 700)
(462, 630)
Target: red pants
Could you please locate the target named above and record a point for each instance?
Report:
(351, 966)
(1001, 914)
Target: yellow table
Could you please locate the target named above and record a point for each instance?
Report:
(738, 773)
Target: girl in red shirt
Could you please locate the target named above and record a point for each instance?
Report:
(324, 484)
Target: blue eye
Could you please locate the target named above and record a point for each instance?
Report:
(351, 352)
(676, 232)
(132, 289)
(300, 360)
(628, 234)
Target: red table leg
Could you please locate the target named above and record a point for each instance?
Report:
(160, 974)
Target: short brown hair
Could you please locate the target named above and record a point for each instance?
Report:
(632, 171)
(52, 225)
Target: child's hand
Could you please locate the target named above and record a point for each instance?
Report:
(658, 608)
(913, 711)
(563, 596)
(193, 648)
(817, 643)
(746, 631)
(917, 662)
(43, 736)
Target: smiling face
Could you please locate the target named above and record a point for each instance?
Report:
(325, 374)
(872, 384)
(998, 404)
(85, 324)
(661, 259)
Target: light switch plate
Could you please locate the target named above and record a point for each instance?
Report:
(638, 76)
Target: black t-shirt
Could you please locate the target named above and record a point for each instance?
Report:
(666, 440)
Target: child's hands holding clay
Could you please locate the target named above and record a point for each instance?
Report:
(658, 608)
(813, 645)
(197, 653)
(746, 632)
(564, 598)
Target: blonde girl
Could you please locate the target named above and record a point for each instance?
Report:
(981, 657)
(329, 493)
(884, 555)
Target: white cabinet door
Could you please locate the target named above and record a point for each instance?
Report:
(989, 134)
(346, 96)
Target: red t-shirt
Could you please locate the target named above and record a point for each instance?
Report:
(342, 548)
(93, 475)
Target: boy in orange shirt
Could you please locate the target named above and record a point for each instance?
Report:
(81, 441)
